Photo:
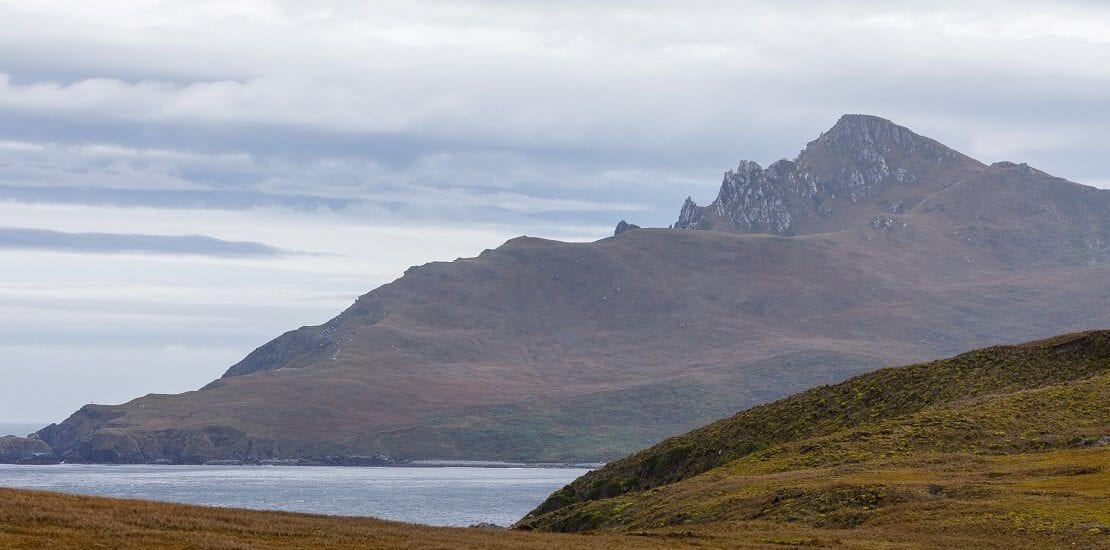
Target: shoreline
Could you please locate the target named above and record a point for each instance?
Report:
(308, 463)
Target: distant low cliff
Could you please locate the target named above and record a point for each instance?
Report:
(23, 450)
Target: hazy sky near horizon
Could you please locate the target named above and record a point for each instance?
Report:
(182, 181)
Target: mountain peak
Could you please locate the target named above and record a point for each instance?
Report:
(854, 130)
(859, 121)
(869, 137)
(623, 227)
(860, 158)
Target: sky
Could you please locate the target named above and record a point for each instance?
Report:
(182, 181)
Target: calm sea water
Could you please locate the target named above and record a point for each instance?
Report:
(435, 496)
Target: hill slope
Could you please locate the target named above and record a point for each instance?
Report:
(542, 350)
(997, 444)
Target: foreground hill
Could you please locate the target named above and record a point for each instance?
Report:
(1009, 446)
(897, 249)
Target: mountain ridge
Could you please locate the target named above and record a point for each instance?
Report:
(864, 168)
(547, 351)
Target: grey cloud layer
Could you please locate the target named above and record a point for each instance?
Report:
(396, 133)
(17, 238)
(541, 103)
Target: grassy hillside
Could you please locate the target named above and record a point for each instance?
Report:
(1009, 441)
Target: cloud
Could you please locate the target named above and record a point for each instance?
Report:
(544, 102)
(397, 133)
(16, 238)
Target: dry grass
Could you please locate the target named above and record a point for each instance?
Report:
(999, 448)
(1055, 499)
(1031, 397)
(34, 519)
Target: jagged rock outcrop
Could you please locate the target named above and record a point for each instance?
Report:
(885, 222)
(690, 217)
(860, 158)
(623, 226)
(868, 170)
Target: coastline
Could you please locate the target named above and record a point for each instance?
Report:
(351, 462)
(457, 496)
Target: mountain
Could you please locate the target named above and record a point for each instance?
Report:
(878, 247)
(868, 168)
(1004, 447)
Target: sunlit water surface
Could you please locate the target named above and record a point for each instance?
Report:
(433, 496)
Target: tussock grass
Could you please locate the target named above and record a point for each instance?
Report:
(35, 519)
(864, 403)
(998, 448)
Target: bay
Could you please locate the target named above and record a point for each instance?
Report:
(451, 496)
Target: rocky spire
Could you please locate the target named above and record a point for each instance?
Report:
(623, 226)
(689, 216)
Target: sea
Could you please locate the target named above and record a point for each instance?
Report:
(448, 495)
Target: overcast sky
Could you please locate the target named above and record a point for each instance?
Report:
(182, 181)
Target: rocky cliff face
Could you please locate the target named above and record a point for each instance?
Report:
(623, 227)
(860, 158)
(869, 171)
(24, 450)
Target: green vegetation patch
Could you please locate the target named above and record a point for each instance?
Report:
(964, 441)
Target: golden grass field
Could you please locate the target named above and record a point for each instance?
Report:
(35, 519)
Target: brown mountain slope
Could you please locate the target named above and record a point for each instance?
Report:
(542, 350)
